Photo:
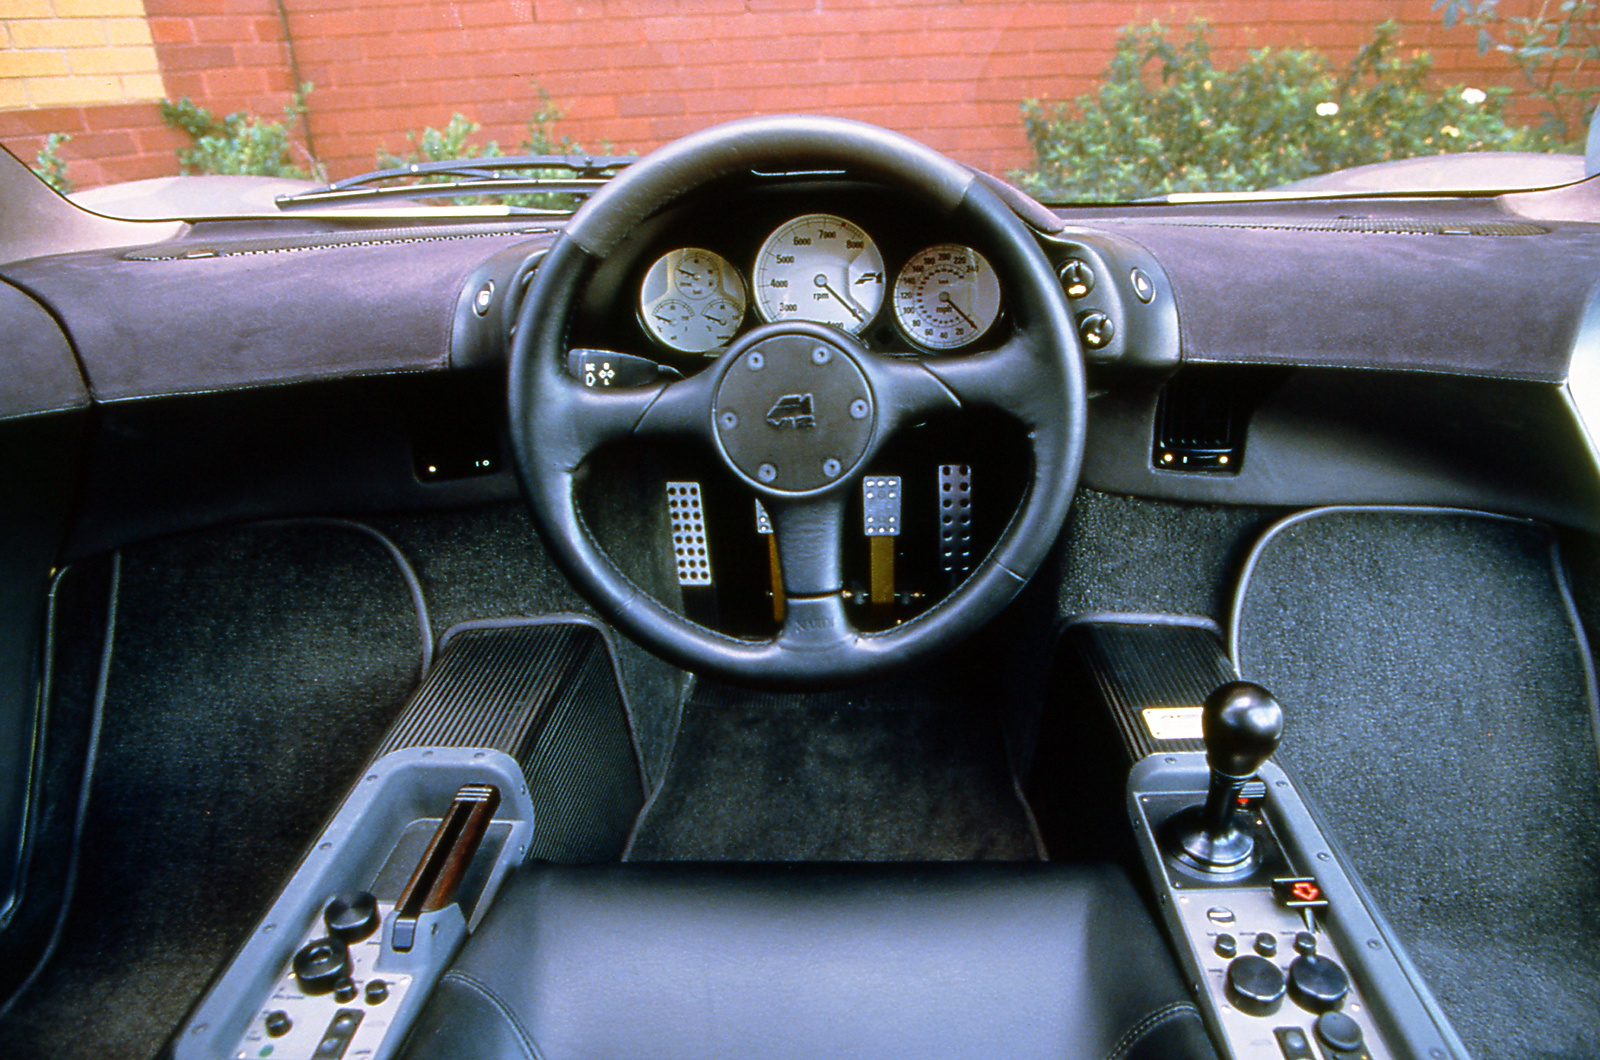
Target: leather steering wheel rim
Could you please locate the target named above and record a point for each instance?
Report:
(1036, 377)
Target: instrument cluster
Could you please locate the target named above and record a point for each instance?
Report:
(825, 269)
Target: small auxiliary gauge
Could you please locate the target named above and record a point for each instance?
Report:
(692, 300)
(819, 268)
(946, 297)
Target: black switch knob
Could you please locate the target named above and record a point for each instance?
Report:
(321, 964)
(1255, 986)
(1339, 1032)
(1267, 944)
(351, 916)
(278, 1023)
(344, 990)
(377, 992)
(1305, 942)
(1226, 946)
(1317, 983)
(1096, 329)
(1077, 278)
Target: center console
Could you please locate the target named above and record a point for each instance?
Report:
(519, 721)
(1286, 955)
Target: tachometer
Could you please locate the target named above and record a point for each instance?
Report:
(819, 268)
(692, 300)
(946, 296)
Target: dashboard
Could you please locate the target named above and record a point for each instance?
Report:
(1412, 351)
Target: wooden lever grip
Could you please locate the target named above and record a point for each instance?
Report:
(433, 885)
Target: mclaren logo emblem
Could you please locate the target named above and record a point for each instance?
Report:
(792, 410)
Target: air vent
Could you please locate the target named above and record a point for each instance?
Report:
(1377, 226)
(328, 241)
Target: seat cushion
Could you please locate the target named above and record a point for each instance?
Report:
(726, 961)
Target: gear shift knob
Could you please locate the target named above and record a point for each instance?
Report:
(1241, 724)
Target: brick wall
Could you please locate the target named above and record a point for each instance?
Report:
(637, 73)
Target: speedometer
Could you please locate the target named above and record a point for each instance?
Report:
(819, 268)
(946, 297)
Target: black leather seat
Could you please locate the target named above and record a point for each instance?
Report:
(750, 962)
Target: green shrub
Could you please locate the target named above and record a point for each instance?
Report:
(49, 164)
(1170, 119)
(1555, 48)
(239, 143)
(455, 142)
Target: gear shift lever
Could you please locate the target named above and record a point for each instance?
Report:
(1242, 725)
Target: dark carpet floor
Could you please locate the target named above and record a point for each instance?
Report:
(252, 673)
(908, 770)
(1437, 713)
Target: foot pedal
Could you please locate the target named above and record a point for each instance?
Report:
(691, 548)
(880, 507)
(955, 521)
(774, 567)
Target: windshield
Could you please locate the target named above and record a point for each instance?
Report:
(1074, 102)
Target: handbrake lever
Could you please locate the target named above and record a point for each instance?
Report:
(450, 852)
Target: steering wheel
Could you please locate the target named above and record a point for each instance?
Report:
(851, 401)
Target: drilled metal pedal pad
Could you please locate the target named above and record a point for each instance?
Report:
(689, 545)
(955, 518)
(880, 505)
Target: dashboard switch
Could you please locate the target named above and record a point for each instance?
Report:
(1317, 983)
(1143, 289)
(1294, 1043)
(1077, 278)
(352, 916)
(1339, 1032)
(1096, 329)
(1255, 986)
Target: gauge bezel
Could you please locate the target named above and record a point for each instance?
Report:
(920, 341)
(670, 292)
(759, 276)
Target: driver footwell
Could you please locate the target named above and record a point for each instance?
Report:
(900, 770)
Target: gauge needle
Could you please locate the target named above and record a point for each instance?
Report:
(944, 297)
(822, 282)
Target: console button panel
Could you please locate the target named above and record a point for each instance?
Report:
(328, 1024)
(1255, 995)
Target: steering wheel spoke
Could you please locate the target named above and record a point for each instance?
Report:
(592, 417)
(907, 392)
(810, 532)
(683, 406)
(1006, 377)
(595, 415)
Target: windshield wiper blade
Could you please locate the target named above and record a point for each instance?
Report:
(578, 175)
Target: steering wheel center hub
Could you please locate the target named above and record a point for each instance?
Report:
(793, 412)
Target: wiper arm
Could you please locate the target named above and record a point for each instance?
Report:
(579, 175)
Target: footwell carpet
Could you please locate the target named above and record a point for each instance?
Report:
(251, 674)
(1437, 711)
(906, 770)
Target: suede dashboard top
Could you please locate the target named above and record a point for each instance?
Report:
(1252, 285)
(1464, 299)
(175, 325)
